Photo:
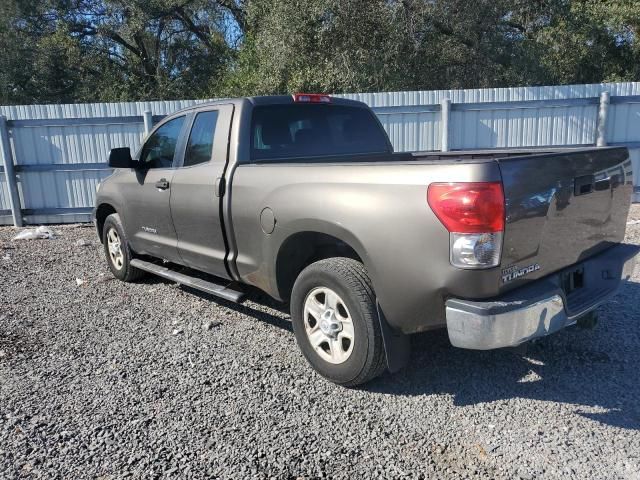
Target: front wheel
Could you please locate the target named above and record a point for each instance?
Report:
(117, 250)
(333, 310)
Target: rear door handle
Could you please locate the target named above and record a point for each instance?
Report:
(162, 184)
(220, 186)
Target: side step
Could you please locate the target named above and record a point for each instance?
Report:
(216, 289)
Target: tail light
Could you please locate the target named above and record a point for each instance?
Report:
(311, 98)
(473, 213)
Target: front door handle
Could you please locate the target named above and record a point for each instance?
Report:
(162, 184)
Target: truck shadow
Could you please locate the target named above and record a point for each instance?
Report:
(259, 305)
(595, 370)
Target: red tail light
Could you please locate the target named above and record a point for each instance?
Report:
(468, 207)
(311, 98)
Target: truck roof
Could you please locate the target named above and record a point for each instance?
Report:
(266, 100)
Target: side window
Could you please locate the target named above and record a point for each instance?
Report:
(200, 145)
(160, 147)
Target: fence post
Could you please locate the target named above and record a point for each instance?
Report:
(148, 121)
(445, 112)
(9, 172)
(603, 113)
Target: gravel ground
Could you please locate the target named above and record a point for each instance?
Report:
(99, 379)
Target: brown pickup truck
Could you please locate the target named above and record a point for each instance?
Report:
(303, 197)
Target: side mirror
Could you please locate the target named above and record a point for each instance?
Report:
(121, 158)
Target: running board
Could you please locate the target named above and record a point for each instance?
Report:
(216, 289)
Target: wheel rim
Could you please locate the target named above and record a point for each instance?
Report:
(328, 325)
(114, 245)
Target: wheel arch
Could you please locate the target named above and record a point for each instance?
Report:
(102, 212)
(303, 248)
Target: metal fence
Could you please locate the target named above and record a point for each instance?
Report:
(53, 156)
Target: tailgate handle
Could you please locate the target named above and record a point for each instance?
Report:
(583, 185)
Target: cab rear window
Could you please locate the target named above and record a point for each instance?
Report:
(296, 131)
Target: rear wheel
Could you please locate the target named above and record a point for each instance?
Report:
(117, 250)
(334, 317)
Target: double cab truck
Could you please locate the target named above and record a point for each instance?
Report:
(302, 197)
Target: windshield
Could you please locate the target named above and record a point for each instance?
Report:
(299, 130)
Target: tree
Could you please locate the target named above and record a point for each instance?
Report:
(356, 45)
(117, 50)
(353, 45)
(110, 50)
(318, 46)
(589, 41)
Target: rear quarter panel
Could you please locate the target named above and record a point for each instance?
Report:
(381, 211)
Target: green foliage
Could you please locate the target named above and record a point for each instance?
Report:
(116, 50)
(111, 50)
(327, 45)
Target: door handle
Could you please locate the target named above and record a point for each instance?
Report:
(220, 187)
(162, 184)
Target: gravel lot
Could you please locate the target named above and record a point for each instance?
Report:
(108, 380)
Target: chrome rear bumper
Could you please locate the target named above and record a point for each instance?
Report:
(541, 308)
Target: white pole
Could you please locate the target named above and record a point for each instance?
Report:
(603, 113)
(444, 122)
(148, 121)
(9, 172)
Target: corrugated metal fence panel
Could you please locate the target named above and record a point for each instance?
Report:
(74, 189)
(634, 153)
(73, 144)
(4, 194)
(624, 123)
(623, 126)
(479, 119)
(412, 131)
(5, 204)
(56, 144)
(495, 94)
(496, 127)
(67, 145)
(94, 110)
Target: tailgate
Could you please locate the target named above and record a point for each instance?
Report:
(562, 208)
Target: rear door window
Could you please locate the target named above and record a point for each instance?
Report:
(200, 145)
(285, 131)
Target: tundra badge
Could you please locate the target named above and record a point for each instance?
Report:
(514, 272)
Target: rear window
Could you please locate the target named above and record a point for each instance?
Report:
(285, 131)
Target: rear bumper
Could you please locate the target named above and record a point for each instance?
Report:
(541, 308)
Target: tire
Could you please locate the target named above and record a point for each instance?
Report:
(119, 263)
(354, 354)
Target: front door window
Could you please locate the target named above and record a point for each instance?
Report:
(160, 147)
